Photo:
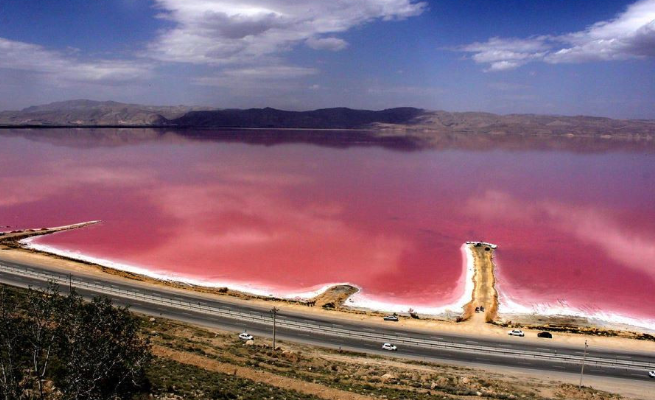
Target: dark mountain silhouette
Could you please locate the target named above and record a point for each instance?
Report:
(327, 118)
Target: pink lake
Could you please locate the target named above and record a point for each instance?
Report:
(575, 229)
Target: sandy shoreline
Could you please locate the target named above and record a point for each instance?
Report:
(336, 297)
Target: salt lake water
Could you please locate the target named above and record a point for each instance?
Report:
(575, 225)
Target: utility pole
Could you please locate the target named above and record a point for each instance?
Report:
(584, 359)
(274, 311)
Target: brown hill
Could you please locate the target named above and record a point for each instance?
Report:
(522, 124)
(91, 113)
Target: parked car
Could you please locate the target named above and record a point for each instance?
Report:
(516, 332)
(651, 373)
(389, 347)
(545, 335)
(245, 336)
(391, 318)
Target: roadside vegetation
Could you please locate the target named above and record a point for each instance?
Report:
(62, 347)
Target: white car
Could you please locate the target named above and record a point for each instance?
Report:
(516, 332)
(245, 336)
(389, 347)
(651, 373)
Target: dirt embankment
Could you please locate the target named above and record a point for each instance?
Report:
(485, 296)
(334, 297)
(12, 238)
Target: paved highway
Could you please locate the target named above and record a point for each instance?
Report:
(335, 332)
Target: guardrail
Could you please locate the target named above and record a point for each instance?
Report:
(320, 328)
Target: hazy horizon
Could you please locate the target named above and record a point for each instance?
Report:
(559, 58)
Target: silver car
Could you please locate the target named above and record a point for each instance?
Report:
(389, 347)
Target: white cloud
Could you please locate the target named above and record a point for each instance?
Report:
(59, 67)
(276, 72)
(254, 75)
(329, 43)
(502, 54)
(405, 90)
(218, 32)
(507, 86)
(219, 36)
(630, 35)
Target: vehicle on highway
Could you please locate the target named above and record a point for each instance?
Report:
(651, 373)
(516, 332)
(246, 336)
(545, 335)
(389, 347)
(391, 318)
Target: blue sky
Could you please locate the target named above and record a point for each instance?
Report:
(593, 57)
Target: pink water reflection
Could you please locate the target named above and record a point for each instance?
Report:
(572, 229)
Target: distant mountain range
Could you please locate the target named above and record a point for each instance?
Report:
(93, 113)
(414, 122)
